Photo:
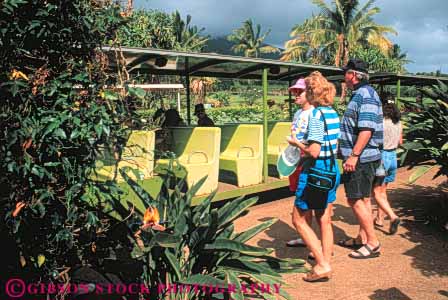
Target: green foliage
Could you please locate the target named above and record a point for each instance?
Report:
(427, 132)
(378, 61)
(55, 115)
(249, 40)
(199, 246)
(251, 94)
(222, 96)
(253, 114)
(335, 31)
(156, 29)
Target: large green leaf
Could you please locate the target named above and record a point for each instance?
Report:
(253, 231)
(234, 210)
(230, 245)
(174, 263)
(165, 240)
(201, 279)
(233, 279)
(141, 193)
(249, 266)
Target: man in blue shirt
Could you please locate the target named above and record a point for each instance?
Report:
(359, 146)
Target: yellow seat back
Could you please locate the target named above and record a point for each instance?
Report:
(242, 140)
(277, 136)
(199, 144)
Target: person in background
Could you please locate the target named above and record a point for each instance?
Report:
(203, 119)
(299, 128)
(360, 148)
(172, 118)
(393, 137)
(319, 151)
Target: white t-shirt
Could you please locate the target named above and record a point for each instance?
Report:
(300, 123)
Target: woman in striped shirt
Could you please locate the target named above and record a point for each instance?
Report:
(320, 147)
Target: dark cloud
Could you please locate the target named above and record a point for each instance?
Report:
(422, 25)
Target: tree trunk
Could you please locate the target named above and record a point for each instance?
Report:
(340, 50)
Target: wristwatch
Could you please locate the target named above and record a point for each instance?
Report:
(355, 155)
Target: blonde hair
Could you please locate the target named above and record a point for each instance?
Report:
(319, 91)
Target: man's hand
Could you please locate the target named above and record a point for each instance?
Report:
(350, 164)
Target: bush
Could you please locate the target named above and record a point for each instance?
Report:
(178, 243)
(252, 114)
(55, 115)
(427, 132)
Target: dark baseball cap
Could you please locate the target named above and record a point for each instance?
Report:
(356, 65)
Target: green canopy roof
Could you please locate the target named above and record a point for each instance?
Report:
(167, 62)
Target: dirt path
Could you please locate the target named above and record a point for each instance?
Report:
(413, 264)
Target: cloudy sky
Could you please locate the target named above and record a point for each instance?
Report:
(422, 25)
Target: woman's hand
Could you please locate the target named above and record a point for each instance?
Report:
(292, 140)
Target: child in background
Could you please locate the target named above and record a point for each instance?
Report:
(298, 128)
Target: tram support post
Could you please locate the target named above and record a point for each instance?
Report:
(265, 125)
(187, 84)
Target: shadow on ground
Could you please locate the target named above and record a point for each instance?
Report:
(389, 294)
(424, 210)
(281, 232)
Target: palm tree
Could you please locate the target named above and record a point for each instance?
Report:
(402, 57)
(309, 42)
(336, 30)
(250, 41)
(188, 37)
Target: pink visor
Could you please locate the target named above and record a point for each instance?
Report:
(299, 85)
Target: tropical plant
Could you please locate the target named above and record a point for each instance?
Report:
(250, 41)
(251, 114)
(201, 86)
(156, 29)
(426, 144)
(223, 97)
(148, 28)
(378, 61)
(336, 30)
(55, 115)
(396, 54)
(185, 245)
(188, 37)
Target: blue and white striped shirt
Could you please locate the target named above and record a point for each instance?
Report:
(364, 112)
(316, 130)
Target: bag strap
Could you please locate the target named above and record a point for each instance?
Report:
(329, 142)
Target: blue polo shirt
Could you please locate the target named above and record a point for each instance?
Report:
(364, 112)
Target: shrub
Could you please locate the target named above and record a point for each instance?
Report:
(55, 114)
(190, 245)
(427, 132)
(253, 114)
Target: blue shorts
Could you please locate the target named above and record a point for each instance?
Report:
(320, 163)
(390, 165)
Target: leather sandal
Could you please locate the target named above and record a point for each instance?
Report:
(314, 277)
(371, 253)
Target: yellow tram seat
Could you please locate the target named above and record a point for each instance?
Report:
(137, 157)
(277, 133)
(242, 152)
(197, 151)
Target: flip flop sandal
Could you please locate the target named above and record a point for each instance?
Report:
(375, 222)
(295, 243)
(313, 277)
(394, 226)
(351, 243)
(372, 253)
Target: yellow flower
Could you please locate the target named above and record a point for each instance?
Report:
(17, 75)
